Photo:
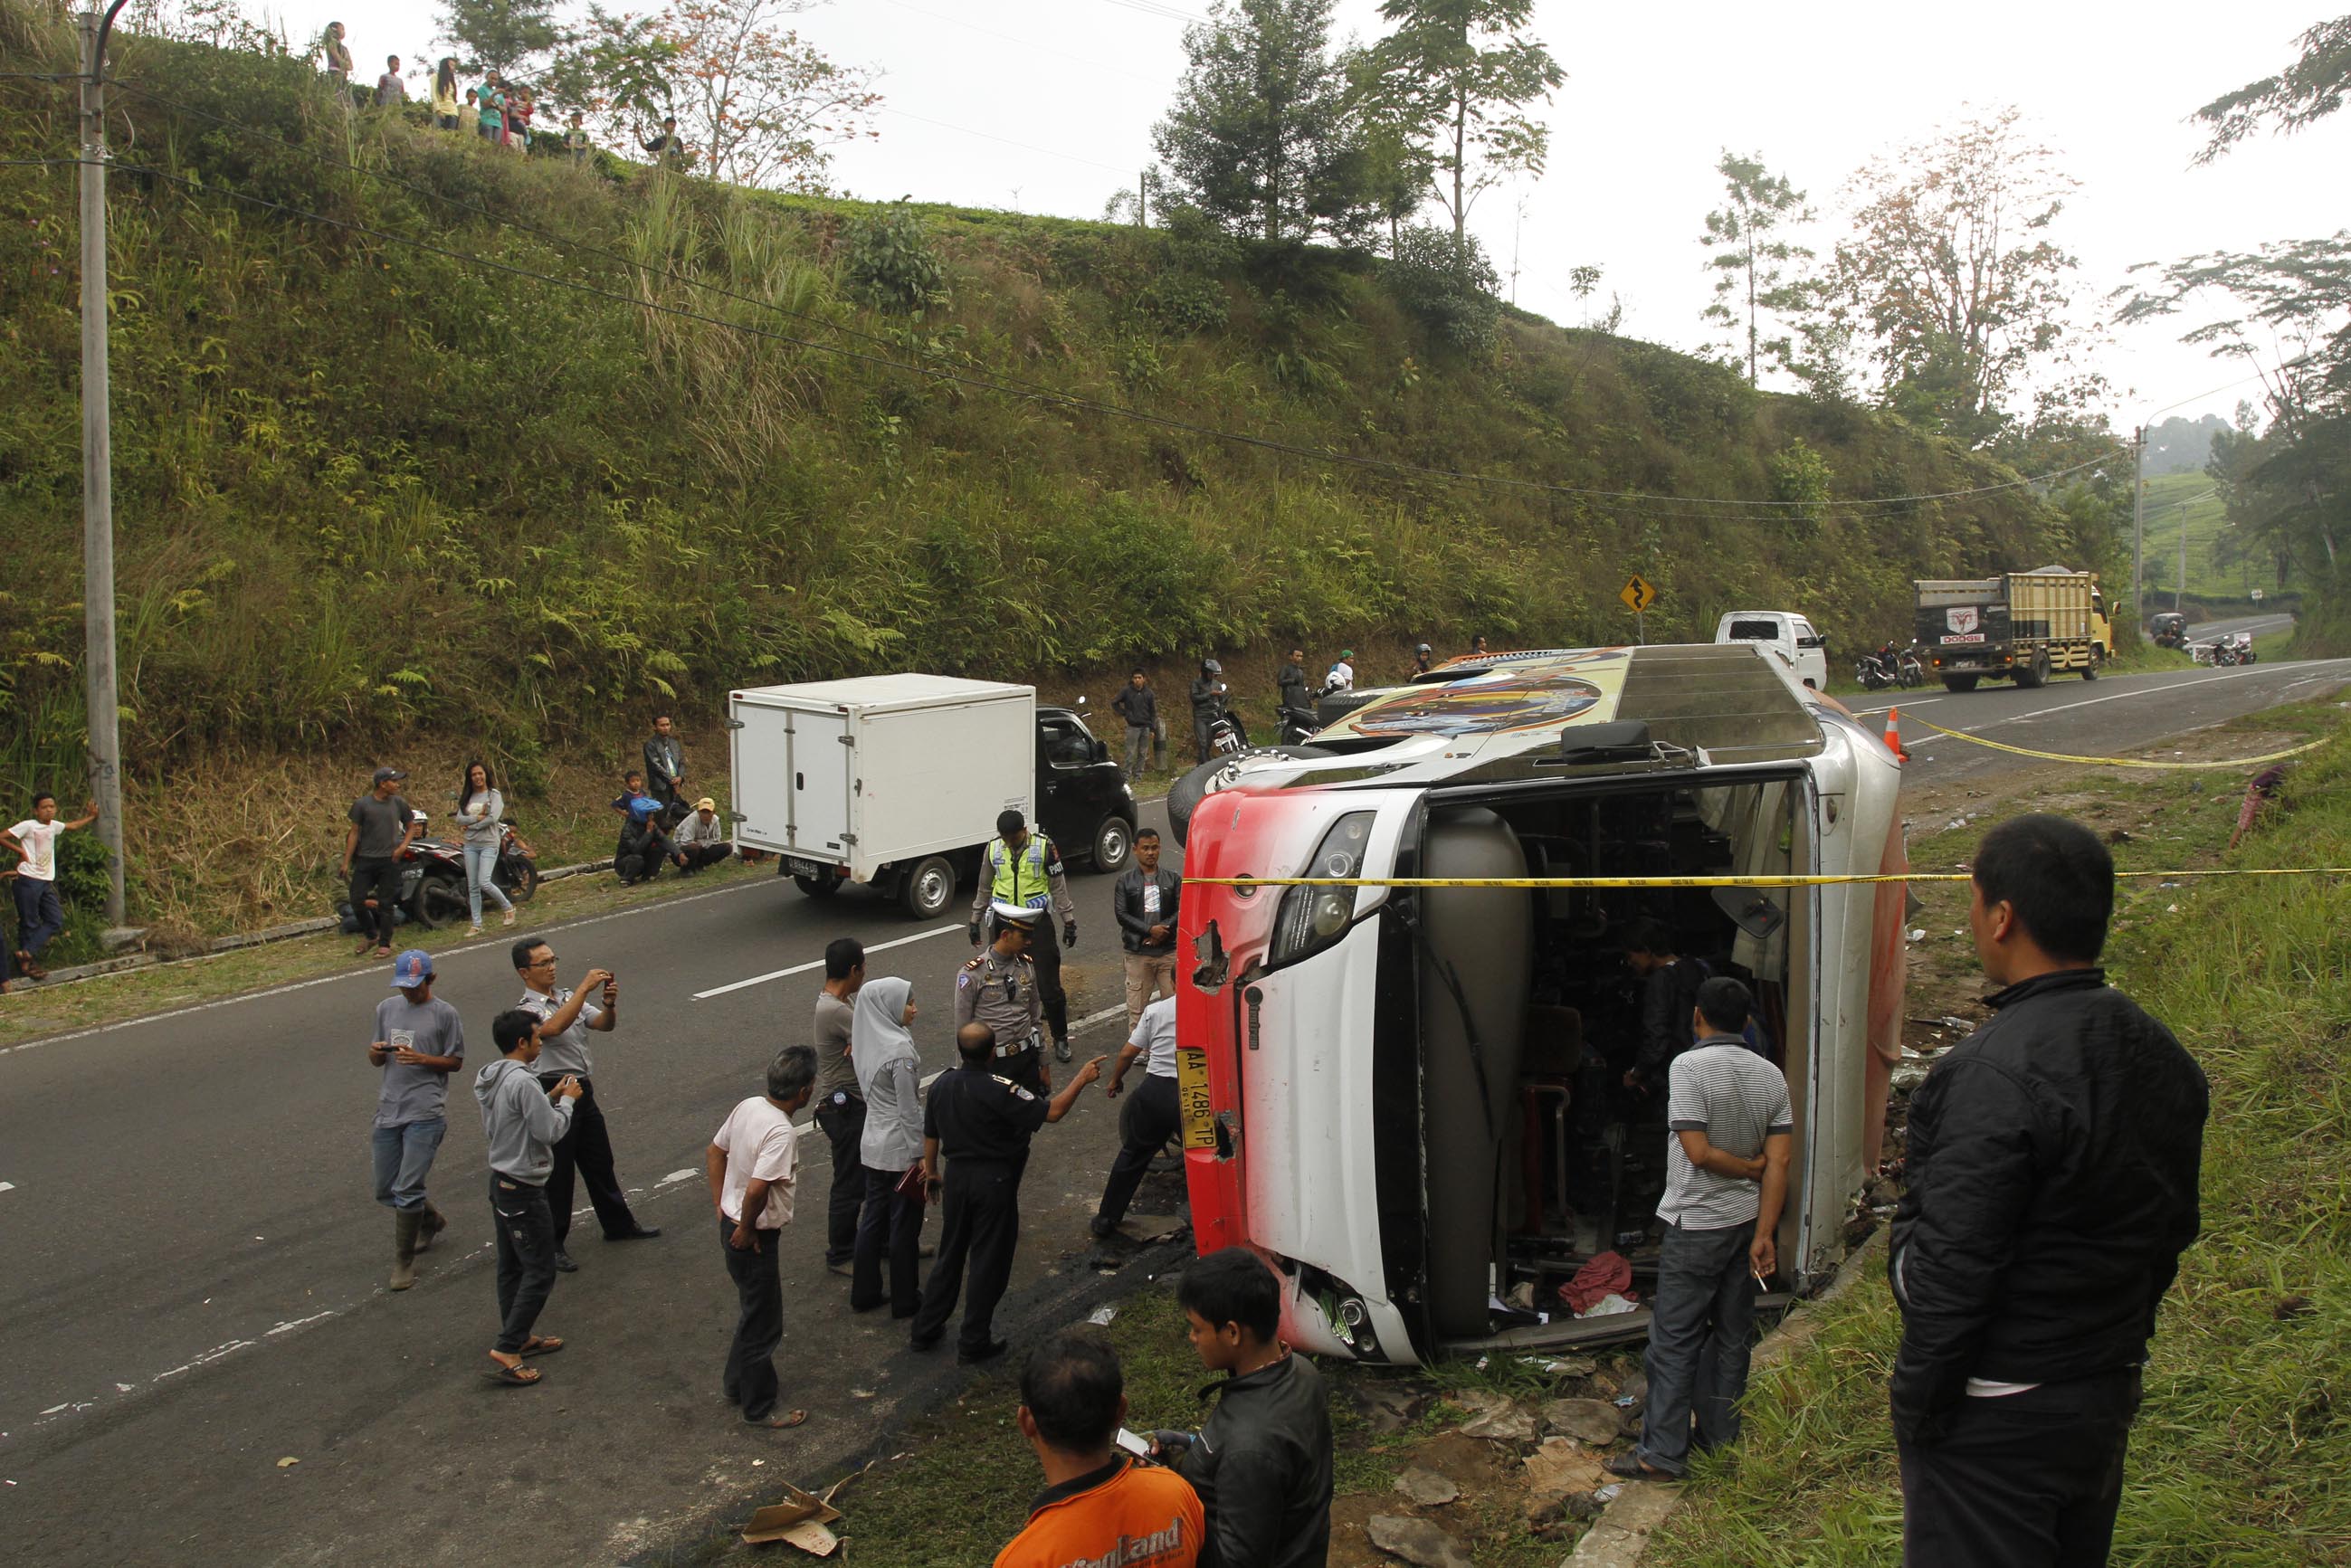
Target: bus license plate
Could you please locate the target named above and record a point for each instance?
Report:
(1192, 1097)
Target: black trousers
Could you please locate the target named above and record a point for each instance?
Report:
(641, 859)
(890, 1227)
(750, 1379)
(586, 1151)
(520, 1218)
(1146, 1123)
(844, 1129)
(980, 1225)
(2025, 1480)
(700, 855)
(1045, 953)
(376, 877)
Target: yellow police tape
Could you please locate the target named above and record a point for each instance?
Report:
(2118, 761)
(1767, 879)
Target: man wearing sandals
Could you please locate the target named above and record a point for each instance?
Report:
(521, 1123)
(752, 1162)
(418, 1041)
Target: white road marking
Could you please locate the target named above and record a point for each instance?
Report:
(817, 963)
(372, 971)
(2185, 682)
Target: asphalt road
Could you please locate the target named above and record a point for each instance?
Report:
(194, 1289)
(196, 1268)
(2116, 716)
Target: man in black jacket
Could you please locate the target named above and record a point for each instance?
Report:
(1138, 705)
(1291, 683)
(1145, 901)
(1261, 1461)
(1209, 695)
(2052, 1168)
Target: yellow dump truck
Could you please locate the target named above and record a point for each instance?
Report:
(2023, 626)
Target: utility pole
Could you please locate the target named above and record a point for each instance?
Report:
(98, 468)
(1142, 200)
(2181, 591)
(2138, 520)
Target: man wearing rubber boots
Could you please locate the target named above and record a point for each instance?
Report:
(998, 989)
(1022, 869)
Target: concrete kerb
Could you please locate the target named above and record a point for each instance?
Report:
(230, 944)
(1620, 1535)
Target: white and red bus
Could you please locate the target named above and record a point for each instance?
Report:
(1411, 1100)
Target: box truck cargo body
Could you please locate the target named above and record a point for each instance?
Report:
(2023, 626)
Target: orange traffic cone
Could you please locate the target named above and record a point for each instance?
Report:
(1894, 735)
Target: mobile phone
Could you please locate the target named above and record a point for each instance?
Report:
(1140, 1448)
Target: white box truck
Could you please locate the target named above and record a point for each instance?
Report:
(896, 781)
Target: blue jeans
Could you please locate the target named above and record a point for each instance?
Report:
(403, 1155)
(1700, 1328)
(39, 916)
(481, 859)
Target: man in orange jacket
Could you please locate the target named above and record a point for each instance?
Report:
(1099, 1505)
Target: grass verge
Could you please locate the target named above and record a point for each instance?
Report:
(2241, 1451)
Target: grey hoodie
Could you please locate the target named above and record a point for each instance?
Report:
(519, 1122)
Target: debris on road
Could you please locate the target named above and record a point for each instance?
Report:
(1418, 1541)
(1426, 1488)
(799, 1521)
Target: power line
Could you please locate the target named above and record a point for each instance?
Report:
(1153, 8)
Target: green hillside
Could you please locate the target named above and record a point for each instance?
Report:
(2215, 571)
(370, 494)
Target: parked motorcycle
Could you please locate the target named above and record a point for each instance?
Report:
(1873, 674)
(433, 880)
(1908, 673)
(1299, 725)
(2232, 648)
(1225, 736)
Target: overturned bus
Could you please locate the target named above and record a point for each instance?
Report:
(1411, 1100)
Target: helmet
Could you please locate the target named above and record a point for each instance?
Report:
(1210, 667)
(1422, 648)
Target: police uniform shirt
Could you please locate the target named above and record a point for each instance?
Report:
(976, 1116)
(1001, 993)
(567, 1051)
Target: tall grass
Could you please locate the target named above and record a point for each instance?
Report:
(2242, 1452)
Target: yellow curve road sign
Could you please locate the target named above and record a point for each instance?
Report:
(1637, 594)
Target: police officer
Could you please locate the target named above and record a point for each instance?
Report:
(999, 990)
(1024, 870)
(981, 1121)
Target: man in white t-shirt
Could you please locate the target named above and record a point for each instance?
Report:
(1149, 1120)
(752, 1164)
(39, 915)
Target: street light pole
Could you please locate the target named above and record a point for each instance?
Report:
(2139, 519)
(98, 468)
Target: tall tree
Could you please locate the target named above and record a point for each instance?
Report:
(500, 35)
(1750, 265)
(1953, 283)
(2311, 88)
(1465, 72)
(757, 104)
(1261, 132)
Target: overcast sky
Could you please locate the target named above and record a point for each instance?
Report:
(1047, 106)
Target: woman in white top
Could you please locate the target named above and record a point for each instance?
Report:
(445, 93)
(481, 813)
(882, 1049)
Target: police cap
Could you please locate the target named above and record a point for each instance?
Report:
(1019, 915)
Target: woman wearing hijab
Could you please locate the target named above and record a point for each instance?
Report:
(882, 1051)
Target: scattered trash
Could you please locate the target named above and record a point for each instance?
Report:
(1101, 1316)
(861, 1394)
(1609, 1492)
(756, 1463)
(2167, 884)
(288, 1462)
(799, 1519)
(1918, 935)
(1481, 1363)
(1561, 1366)
(2171, 909)
(1609, 1306)
(1625, 1401)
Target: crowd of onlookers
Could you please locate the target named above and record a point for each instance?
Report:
(498, 111)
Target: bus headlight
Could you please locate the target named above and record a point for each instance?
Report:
(1312, 918)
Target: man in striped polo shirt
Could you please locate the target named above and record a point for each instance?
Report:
(1731, 1132)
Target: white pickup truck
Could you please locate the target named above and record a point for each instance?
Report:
(1786, 636)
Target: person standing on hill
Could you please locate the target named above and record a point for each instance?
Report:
(490, 109)
(418, 1041)
(1289, 684)
(39, 915)
(575, 138)
(664, 762)
(383, 827)
(391, 87)
(1138, 705)
(753, 1164)
(519, 109)
(2053, 1161)
(667, 149)
(335, 56)
(445, 93)
(839, 1106)
(481, 813)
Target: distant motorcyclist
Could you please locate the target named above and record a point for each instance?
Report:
(1424, 658)
(1342, 678)
(1209, 694)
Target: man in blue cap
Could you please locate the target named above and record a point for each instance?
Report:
(418, 1041)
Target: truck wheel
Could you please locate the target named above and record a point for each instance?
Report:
(2035, 675)
(2090, 670)
(930, 888)
(1113, 841)
(1959, 683)
(823, 886)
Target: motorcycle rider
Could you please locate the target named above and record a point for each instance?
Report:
(1207, 703)
(1423, 658)
(1342, 678)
